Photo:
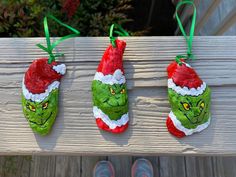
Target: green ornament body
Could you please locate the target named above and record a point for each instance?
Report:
(111, 99)
(191, 111)
(41, 115)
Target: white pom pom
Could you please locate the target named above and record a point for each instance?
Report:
(60, 69)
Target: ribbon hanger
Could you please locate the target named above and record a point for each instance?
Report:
(50, 46)
(115, 28)
(189, 39)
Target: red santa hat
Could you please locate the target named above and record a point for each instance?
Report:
(110, 70)
(41, 78)
(184, 80)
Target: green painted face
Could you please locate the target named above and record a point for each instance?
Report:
(111, 99)
(41, 116)
(191, 111)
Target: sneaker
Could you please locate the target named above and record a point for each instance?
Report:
(142, 168)
(104, 169)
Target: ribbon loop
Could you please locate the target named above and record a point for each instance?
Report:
(119, 31)
(50, 46)
(189, 39)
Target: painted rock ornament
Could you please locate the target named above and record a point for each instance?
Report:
(40, 90)
(110, 98)
(189, 98)
(40, 86)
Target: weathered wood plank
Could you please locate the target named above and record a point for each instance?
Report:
(43, 166)
(216, 18)
(15, 166)
(172, 166)
(227, 22)
(199, 167)
(68, 166)
(206, 15)
(146, 58)
(224, 166)
(138, 48)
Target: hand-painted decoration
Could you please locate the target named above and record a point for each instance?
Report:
(189, 96)
(40, 94)
(110, 98)
(40, 86)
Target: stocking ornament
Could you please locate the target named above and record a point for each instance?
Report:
(189, 96)
(40, 86)
(110, 99)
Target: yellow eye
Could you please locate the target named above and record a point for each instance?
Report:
(122, 91)
(202, 105)
(112, 91)
(31, 107)
(186, 106)
(45, 105)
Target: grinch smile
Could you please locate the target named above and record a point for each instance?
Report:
(115, 106)
(43, 122)
(197, 118)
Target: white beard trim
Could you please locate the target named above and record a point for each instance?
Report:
(180, 127)
(39, 97)
(185, 90)
(112, 124)
(116, 78)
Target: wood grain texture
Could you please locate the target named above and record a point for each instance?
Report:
(225, 25)
(199, 167)
(172, 166)
(68, 166)
(206, 15)
(215, 17)
(224, 166)
(43, 166)
(145, 61)
(15, 166)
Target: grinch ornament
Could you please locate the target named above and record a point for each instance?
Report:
(40, 89)
(189, 96)
(40, 86)
(110, 98)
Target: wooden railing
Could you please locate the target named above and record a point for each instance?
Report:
(145, 62)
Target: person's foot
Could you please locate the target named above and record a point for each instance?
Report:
(104, 169)
(142, 168)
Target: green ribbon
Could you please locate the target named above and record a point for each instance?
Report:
(115, 28)
(50, 46)
(189, 39)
